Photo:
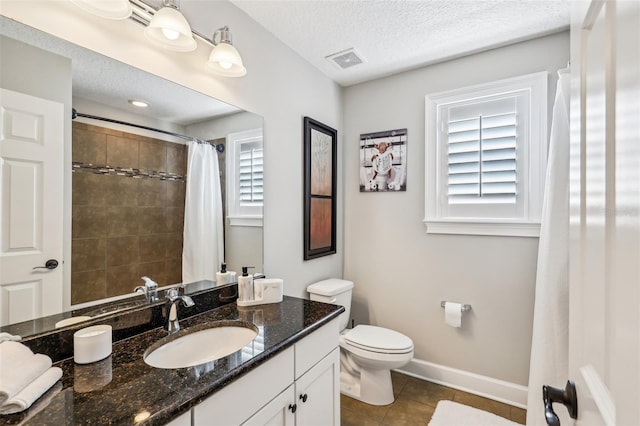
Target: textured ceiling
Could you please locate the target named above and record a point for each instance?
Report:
(396, 35)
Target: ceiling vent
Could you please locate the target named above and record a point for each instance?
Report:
(345, 59)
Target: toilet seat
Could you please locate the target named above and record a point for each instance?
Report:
(378, 339)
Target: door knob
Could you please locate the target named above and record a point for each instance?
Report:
(49, 264)
(303, 397)
(566, 397)
(293, 407)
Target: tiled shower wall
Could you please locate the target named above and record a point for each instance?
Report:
(124, 226)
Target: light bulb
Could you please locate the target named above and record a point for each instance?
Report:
(170, 34)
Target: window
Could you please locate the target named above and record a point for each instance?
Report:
(486, 150)
(245, 178)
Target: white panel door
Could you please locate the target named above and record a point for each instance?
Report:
(318, 393)
(604, 354)
(31, 197)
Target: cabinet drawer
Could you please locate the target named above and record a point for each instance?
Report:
(237, 401)
(316, 346)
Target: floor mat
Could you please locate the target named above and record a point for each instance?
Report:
(449, 413)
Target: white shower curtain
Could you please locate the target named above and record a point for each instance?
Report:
(549, 347)
(203, 246)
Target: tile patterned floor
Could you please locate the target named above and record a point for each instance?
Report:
(414, 405)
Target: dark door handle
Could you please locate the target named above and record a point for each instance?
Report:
(49, 264)
(293, 407)
(566, 397)
(303, 397)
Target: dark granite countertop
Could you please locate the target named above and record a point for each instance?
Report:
(122, 389)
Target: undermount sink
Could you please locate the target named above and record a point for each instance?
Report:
(200, 344)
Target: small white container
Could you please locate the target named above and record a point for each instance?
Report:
(92, 344)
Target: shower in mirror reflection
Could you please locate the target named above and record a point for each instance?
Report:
(203, 246)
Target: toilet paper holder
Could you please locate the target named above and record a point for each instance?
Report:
(465, 307)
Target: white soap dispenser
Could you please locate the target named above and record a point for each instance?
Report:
(225, 277)
(245, 286)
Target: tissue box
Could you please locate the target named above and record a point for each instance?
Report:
(92, 344)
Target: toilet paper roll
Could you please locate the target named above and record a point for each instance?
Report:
(453, 314)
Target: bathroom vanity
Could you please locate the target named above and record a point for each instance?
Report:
(289, 373)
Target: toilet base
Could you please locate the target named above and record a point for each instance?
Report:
(373, 387)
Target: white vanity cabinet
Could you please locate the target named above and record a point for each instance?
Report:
(299, 386)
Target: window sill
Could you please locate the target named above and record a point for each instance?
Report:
(503, 229)
(255, 221)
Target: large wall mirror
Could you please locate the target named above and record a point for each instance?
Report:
(125, 186)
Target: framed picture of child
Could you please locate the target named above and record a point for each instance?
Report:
(383, 161)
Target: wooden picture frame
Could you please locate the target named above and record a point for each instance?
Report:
(320, 184)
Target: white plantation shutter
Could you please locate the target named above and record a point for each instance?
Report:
(245, 178)
(250, 174)
(482, 159)
(485, 156)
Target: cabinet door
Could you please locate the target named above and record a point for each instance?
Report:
(279, 412)
(318, 393)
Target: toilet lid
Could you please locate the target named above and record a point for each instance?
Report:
(378, 339)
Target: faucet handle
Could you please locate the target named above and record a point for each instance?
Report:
(172, 294)
(149, 283)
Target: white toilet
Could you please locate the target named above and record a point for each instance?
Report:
(367, 353)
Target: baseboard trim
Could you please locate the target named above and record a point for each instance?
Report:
(488, 387)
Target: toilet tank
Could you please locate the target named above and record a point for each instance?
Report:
(335, 291)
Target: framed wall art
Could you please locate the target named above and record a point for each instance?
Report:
(383, 161)
(320, 183)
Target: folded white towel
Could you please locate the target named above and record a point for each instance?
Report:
(5, 337)
(32, 392)
(18, 368)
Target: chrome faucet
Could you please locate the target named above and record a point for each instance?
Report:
(149, 289)
(171, 308)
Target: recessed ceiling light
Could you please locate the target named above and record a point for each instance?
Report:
(139, 104)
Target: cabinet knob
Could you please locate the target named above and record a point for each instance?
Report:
(293, 407)
(303, 397)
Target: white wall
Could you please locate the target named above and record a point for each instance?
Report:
(279, 85)
(401, 274)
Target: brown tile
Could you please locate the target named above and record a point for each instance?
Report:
(122, 152)
(122, 251)
(151, 220)
(177, 159)
(486, 404)
(121, 221)
(407, 412)
(106, 131)
(152, 247)
(372, 412)
(89, 147)
(88, 222)
(175, 193)
(356, 418)
(88, 286)
(153, 155)
(154, 270)
(121, 190)
(175, 219)
(398, 381)
(152, 192)
(425, 392)
(88, 254)
(78, 125)
(173, 271)
(88, 189)
(518, 415)
(122, 279)
(173, 246)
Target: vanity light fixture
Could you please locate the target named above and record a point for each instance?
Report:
(138, 103)
(169, 29)
(224, 58)
(110, 9)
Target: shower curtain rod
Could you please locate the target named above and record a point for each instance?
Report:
(75, 114)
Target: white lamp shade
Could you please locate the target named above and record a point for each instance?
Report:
(225, 60)
(169, 29)
(110, 9)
